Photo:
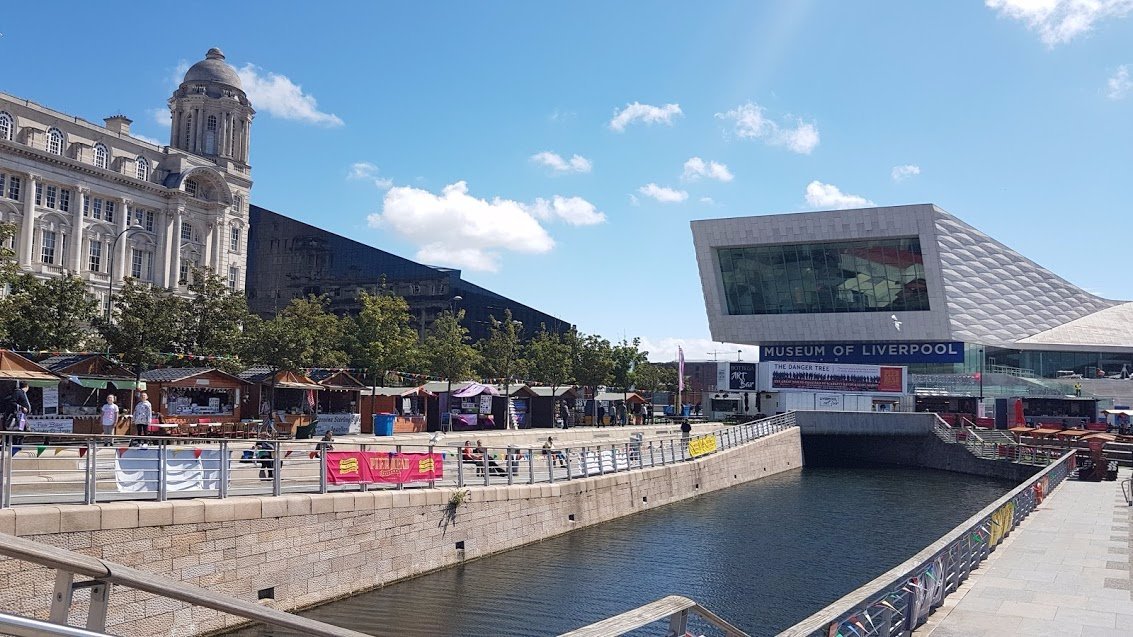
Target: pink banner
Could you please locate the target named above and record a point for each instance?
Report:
(351, 467)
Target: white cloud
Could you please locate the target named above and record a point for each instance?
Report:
(1119, 85)
(664, 350)
(750, 121)
(365, 171)
(574, 211)
(278, 95)
(900, 173)
(1060, 21)
(644, 112)
(161, 116)
(554, 161)
(633, 200)
(559, 116)
(663, 194)
(820, 195)
(457, 229)
(708, 201)
(695, 168)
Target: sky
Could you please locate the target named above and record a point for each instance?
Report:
(556, 152)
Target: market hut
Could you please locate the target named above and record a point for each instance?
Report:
(15, 368)
(87, 380)
(520, 396)
(293, 396)
(197, 396)
(339, 404)
(613, 402)
(469, 407)
(547, 405)
(411, 404)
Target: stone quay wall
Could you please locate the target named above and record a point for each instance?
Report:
(315, 548)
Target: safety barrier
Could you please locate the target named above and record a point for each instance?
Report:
(677, 611)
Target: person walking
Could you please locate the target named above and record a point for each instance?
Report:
(15, 405)
(109, 416)
(143, 414)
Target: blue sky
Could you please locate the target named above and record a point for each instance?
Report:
(447, 131)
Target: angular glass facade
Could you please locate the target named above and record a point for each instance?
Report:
(886, 275)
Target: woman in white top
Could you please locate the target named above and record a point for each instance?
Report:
(109, 415)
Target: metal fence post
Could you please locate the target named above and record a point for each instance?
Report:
(276, 466)
(460, 469)
(222, 488)
(652, 462)
(90, 495)
(551, 467)
(432, 481)
(6, 472)
(530, 466)
(397, 450)
(162, 476)
(566, 458)
(484, 465)
(584, 463)
(323, 469)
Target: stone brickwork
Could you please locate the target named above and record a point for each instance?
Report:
(316, 548)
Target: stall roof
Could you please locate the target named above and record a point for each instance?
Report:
(283, 379)
(1127, 412)
(16, 367)
(1044, 431)
(335, 379)
(92, 370)
(441, 386)
(563, 391)
(399, 391)
(631, 397)
(181, 374)
(1099, 435)
(475, 389)
(516, 389)
(1073, 433)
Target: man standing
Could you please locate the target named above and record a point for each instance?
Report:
(16, 404)
(143, 414)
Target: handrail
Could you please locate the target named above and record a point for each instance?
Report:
(901, 597)
(28, 627)
(674, 608)
(112, 573)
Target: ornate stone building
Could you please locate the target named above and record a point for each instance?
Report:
(98, 202)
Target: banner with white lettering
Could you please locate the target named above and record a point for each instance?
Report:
(872, 379)
(876, 353)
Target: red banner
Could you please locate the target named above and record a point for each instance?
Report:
(351, 467)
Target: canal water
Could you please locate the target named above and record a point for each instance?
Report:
(762, 555)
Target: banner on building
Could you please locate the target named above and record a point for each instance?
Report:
(875, 353)
(742, 376)
(833, 377)
(352, 467)
(702, 446)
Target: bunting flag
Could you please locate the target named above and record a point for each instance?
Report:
(287, 454)
(197, 453)
(57, 451)
(39, 450)
(16, 450)
(313, 455)
(120, 451)
(82, 452)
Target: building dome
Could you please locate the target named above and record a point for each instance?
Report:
(213, 69)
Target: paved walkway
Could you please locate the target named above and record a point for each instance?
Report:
(1064, 571)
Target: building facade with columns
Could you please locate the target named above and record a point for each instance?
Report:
(95, 201)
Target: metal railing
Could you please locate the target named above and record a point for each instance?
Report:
(677, 611)
(42, 468)
(898, 601)
(1010, 451)
(104, 576)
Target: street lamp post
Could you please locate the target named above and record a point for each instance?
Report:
(113, 254)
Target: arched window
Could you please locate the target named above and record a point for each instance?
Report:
(6, 126)
(191, 187)
(101, 156)
(210, 135)
(141, 167)
(55, 141)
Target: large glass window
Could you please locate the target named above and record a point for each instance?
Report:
(885, 275)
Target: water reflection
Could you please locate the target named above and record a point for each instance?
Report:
(763, 556)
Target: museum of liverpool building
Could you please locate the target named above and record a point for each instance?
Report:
(975, 323)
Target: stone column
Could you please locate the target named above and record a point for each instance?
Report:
(123, 242)
(207, 263)
(77, 230)
(175, 249)
(218, 247)
(27, 229)
(161, 254)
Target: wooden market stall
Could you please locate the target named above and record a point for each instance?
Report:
(339, 404)
(289, 397)
(411, 404)
(612, 404)
(549, 405)
(198, 396)
(14, 369)
(520, 396)
(87, 379)
(468, 408)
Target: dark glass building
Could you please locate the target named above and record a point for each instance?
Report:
(289, 259)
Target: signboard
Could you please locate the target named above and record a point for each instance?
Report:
(866, 353)
(486, 404)
(828, 402)
(340, 424)
(836, 378)
(742, 376)
(51, 400)
(352, 467)
(51, 425)
(702, 446)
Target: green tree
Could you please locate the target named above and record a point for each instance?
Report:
(446, 351)
(549, 362)
(380, 337)
(213, 320)
(145, 323)
(501, 352)
(325, 332)
(626, 356)
(593, 364)
(8, 269)
(48, 314)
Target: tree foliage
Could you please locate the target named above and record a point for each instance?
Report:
(549, 358)
(213, 319)
(303, 334)
(380, 337)
(446, 351)
(501, 352)
(145, 322)
(48, 314)
(626, 356)
(593, 361)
